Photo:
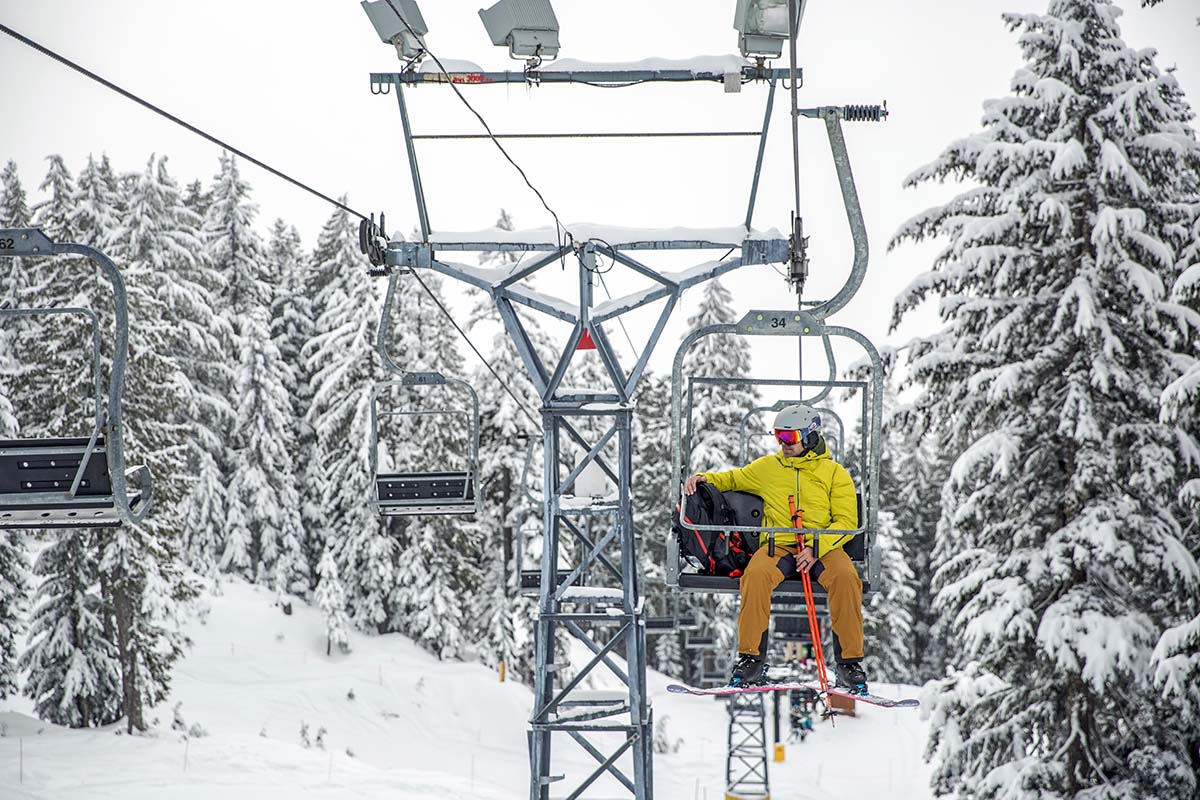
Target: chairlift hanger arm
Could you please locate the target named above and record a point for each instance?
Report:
(833, 115)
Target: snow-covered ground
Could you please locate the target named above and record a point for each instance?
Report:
(398, 724)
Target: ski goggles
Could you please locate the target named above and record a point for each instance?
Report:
(788, 437)
(807, 437)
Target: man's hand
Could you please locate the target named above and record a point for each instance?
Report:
(805, 559)
(689, 486)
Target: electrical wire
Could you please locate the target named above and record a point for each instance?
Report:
(129, 95)
(147, 104)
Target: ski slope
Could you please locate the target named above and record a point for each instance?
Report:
(415, 727)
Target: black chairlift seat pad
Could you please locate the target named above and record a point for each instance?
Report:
(45, 468)
(425, 493)
(691, 581)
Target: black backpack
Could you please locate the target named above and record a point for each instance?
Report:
(718, 552)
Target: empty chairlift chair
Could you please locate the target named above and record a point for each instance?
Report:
(74, 482)
(420, 492)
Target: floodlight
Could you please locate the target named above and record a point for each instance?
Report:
(763, 25)
(528, 28)
(391, 26)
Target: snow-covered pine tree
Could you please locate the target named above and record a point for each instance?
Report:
(189, 290)
(717, 412)
(291, 327)
(342, 359)
(331, 599)
(197, 199)
(140, 570)
(1062, 563)
(13, 593)
(918, 471)
(1177, 654)
(262, 497)
(74, 674)
(887, 615)
(12, 281)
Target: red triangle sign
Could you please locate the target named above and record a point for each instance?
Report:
(585, 341)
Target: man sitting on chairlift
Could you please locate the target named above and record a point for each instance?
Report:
(801, 487)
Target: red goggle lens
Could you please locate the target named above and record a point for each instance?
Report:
(787, 437)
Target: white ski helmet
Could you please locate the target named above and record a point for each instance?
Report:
(803, 419)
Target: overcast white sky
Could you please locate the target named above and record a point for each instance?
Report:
(287, 82)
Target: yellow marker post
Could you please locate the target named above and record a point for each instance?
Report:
(780, 752)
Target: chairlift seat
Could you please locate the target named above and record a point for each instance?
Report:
(411, 493)
(44, 469)
(660, 625)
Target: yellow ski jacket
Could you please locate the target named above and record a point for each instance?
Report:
(823, 492)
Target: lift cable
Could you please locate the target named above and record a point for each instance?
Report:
(146, 104)
(131, 96)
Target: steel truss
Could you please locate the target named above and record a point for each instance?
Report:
(746, 760)
(597, 599)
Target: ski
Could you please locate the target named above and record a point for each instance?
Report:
(720, 691)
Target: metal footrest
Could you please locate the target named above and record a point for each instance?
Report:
(424, 493)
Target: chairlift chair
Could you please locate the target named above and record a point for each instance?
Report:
(430, 492)
(863, 548)
(422, 493)
(78, 482)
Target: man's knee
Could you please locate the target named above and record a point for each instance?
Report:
(758, 571)
(839, 572)
(763, 573)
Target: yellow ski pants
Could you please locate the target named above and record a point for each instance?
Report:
(835, 572)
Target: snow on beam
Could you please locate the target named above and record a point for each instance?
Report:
(711, 65)
(495, 239)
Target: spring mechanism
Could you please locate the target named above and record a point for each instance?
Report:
(864, 113)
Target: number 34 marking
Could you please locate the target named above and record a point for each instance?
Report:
(778, 322)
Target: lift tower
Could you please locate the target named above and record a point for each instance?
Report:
(600, 591)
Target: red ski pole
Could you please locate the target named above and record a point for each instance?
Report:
(810, 605)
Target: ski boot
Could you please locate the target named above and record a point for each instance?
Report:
(748, 671)
(852, 677)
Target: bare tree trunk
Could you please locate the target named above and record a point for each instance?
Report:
(123, 610)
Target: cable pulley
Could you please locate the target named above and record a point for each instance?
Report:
(372, 243)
